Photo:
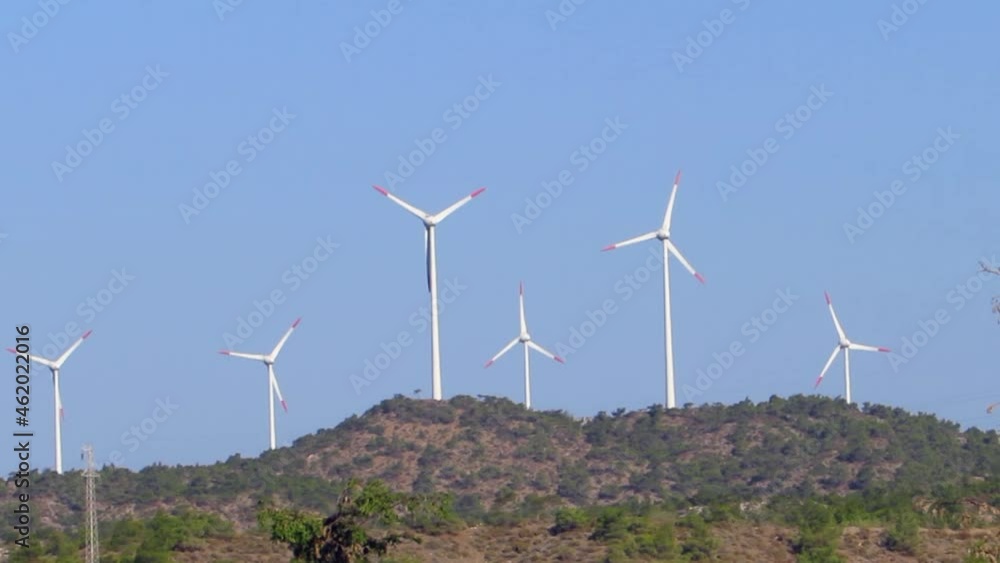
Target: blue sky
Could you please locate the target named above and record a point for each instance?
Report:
(199, 81)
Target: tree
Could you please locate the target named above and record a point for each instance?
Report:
(904, 535)
(363, 525)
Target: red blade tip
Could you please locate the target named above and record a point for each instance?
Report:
(297, 321)
(86, 334)
(381, 190)
(881, 349)
(700, 278)
(477, 192)
(607, 248)
(677, 178)
(284, 406)
(522, 288)
(818, 381)
(224, 352)
(827, 295)
(560, 360)
(12, 351)
(488, 364)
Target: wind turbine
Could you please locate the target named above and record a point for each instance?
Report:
(54, 367)
(272, 381)
(525, 338)
(430, 243)
(663, 234)
(845, 345)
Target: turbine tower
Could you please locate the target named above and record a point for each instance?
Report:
(54, 367)
(845, 345)
(90, 475)
(272, 381)
(663, 234)
(525, 339)
(430, 242)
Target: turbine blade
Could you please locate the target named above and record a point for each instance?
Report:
(277, 390)
(989, 409)
(418, 212)
(670, 206)
(59, 361)
(258, 357)
(545, 352)
(455, 206)
(677, 253)
(524, 322)
(632, 240)
(284, 338)
(502, 352)
(36, 359)
(827, 366)
(836, 322)
(867, 348)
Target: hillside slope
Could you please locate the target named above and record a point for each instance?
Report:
(493, 454)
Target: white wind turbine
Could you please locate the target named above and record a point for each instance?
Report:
(668, 248)
(272, 381)
(525, 338)
(54, 367)
(430, 243)
(845, 345)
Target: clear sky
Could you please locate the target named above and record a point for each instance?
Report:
(342, 96)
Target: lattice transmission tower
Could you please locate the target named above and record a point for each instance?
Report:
(90, 476)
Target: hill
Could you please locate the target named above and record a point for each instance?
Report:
(496, 458)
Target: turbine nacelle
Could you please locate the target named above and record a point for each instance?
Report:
(524, 338)
(663, 234)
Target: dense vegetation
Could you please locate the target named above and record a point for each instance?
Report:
(152, 540)
(656, 484)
